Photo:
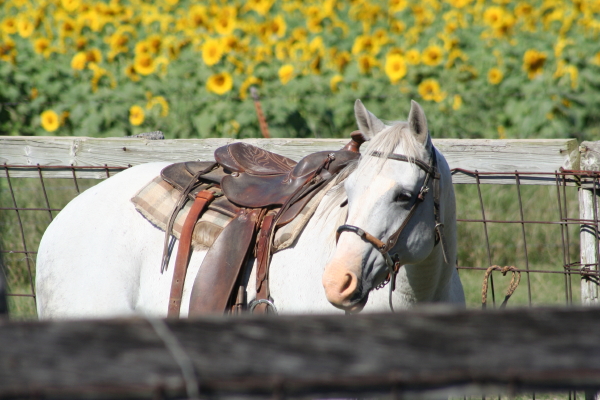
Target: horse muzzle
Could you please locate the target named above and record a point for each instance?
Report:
(343, 288)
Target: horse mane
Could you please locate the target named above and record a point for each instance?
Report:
(396, 137)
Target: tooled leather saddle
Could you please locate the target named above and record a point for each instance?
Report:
(262, 191)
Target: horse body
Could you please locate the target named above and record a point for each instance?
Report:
(101, 258)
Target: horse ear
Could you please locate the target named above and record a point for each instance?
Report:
(418, 123)
(368, 123)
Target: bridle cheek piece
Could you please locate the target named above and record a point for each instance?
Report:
(392, 261)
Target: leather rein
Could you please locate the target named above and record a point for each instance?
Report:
(385, 248)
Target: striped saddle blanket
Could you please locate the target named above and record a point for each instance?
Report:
(157, 199)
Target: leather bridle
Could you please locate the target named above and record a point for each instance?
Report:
(385, 248)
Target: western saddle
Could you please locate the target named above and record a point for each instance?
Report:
(262, 191)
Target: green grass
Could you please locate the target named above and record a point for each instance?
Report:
(507, 243)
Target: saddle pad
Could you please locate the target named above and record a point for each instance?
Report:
(157, 199)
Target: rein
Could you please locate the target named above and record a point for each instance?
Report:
(385, 248)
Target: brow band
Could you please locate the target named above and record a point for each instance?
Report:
(430, 169)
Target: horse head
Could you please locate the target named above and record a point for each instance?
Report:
(391, 219)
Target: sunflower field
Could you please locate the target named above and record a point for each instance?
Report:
(480, 68)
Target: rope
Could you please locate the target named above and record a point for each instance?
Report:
(514, 282)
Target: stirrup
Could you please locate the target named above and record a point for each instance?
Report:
(269, 303)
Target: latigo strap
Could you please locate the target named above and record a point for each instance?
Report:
(202, 200)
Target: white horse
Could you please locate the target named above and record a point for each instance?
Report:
(101, 258)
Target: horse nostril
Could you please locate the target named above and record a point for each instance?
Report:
(349, 285)
(340, 284)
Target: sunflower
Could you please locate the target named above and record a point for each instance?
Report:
(277, 26)
(25, 27)
(8, 51)
(155, 43)
(565, 69)
(493, 16)
(457, 102)
(459, 3)
(432, 55)
(495, 76)
(160, 101)
(136, 115)
(397, 27)
(395, 6)
(300, 34)
(9, 26)
(118, 44)
(395, 67)
(80, 43)
(413, 57)
(524, 9)
(79, 61)
(198, 16)
(225, 20)
(220, 83)
(365, 44)
(334, 82)
(341, 60)
(100, 72)
(68, 27)
(430, 90)
(225, 25)
(49, 120)
(261, 7)
(533, 62)
(231, 42)
(366, 63)
(131, 73)
(70, 5)
(212, 51)
(144, 64)
(250, 81)
(286, 73)
(41, 45)
(314, 24)
(94, 55)
(316, 65)
(142, 47)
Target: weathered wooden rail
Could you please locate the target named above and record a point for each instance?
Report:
(482, 155)
(467, 352)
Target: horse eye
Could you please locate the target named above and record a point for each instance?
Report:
(402, 197)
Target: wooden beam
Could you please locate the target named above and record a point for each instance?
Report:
(509, 351)
(483, 155)
(589, 209)
(508, 156)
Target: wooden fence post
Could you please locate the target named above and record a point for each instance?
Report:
(589, 200)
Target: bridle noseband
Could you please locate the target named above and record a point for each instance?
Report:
(384, 248)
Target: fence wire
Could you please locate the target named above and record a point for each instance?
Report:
(27, 206)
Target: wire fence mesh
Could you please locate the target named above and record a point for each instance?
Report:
(535, 228)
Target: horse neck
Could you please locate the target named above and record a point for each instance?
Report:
(434, 271)
(326, 219)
